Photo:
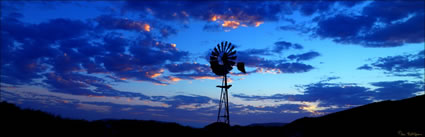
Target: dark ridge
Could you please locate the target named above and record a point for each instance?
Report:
(274, 124)
(386, 119)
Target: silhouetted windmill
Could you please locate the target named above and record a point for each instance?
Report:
(222, 60)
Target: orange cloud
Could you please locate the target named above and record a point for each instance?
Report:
(206, 77)
(154, 74)
(258, 23)
(234, 22)
(175, 79)
(229, 80)
(147, 27)
(231, 24)
(214, 18)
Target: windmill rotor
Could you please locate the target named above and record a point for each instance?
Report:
(223, 58)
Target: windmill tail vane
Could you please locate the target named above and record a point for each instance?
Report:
(222, 60)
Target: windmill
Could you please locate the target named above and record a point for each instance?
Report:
(222, 60)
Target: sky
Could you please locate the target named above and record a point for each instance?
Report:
(149, 60)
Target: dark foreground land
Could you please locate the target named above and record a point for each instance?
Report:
(383, 119)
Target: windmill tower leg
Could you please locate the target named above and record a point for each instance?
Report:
(224, 101)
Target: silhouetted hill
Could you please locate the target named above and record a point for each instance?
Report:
(25, 122)
(386, 119)
(267, 124)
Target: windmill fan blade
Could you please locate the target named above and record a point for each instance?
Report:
(218, 47)
(241, 67)
(231, 48)
(215, 52)
(222, 47)
(232, 53)
(225, 47)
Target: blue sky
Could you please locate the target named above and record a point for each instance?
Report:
(149, 60)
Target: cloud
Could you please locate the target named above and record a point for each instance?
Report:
(26, 45)
(185, 67)
(284, 45)
(109, 22)
(308, 8)
(227, 15)
(397, 89)
(195, 106)
(294, 67)
(120, 98)
(256, 58)
(323, 95)
(379, 25)
(92, 107)
(71, 57)
(400, 65)
(341, 94)
(365, 67)
(43, 32)
(305, 56)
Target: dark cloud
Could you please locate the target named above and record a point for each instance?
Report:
(413, 75)
(145, 26)
(308, 8)
(187, 67)
(398, 64)
(327, 93)
(340, 94)
(294, 67)
(397, 89)
(28, 46)
(284, 45)
(184, 99)
(110, 22)
(344, 94)
(33, 51)
(388, 11)
(229, 14)
(43, 32)
(327, 79)
(70, 83)
(305, 56)
(320, 7)
(336, 27)
(365, 67)
(382, 24)
(256, 58)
